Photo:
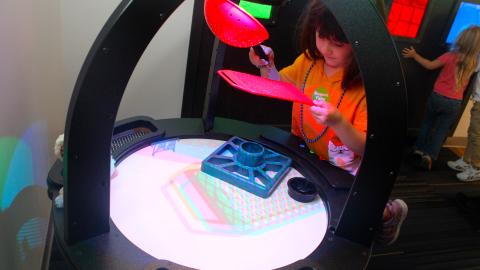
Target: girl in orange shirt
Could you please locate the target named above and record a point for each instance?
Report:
(335, 128)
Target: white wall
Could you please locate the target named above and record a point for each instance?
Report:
(462, 127)
(156, 86)
(42, 47)
(81, 21)
(31, 115)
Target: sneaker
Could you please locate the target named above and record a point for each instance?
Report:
(415, 157)
(390, 228)
(458, 165)
(469, 175)
(418, 153)
(426, 163)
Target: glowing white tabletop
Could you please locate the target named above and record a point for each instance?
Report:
(164, 204)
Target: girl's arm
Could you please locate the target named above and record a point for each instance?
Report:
(411, 53)
(267, 69)
(328, 115)
(350, 136)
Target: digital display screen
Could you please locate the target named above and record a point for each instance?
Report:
(259, 11)
(467, 14)
(165, 205)
(406, 17)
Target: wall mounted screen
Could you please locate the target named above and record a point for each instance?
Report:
(259, 11)
(406, 17)
(468, 13)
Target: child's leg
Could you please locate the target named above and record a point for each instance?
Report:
(447, 111)
(472, 152)
(426, 125)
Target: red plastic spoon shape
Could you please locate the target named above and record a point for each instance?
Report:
(234, 26)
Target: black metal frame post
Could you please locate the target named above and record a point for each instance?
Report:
(387, 108)
(213, 84)
(198, 64)
(93, 108)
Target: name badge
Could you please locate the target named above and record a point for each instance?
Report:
(321, 94)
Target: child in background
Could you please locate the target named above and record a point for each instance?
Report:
(469, 164)
(335, 128)
(444, 103)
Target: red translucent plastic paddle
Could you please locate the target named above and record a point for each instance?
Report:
(264, 87)
(234, 26)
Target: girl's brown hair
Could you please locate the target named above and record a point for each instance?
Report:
(467, 46)
(316, 17)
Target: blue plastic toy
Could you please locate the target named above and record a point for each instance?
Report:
(247, 165)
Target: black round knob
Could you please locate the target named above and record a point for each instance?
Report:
(301, 190)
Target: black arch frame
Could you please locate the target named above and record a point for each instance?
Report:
(112, 59)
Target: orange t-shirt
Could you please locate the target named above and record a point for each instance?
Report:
(353, 108)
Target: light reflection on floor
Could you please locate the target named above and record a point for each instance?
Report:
(163, 204)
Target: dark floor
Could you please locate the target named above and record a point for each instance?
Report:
(442, 230)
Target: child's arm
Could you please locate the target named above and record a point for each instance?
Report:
(350, 136)
(328, 115)
(267, 69)
(411, 53)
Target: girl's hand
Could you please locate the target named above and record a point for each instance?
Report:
(257, 61)
(325, 114)
(409, 52)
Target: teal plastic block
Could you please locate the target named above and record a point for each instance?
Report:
(247, 165)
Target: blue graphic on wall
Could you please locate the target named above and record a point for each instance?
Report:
(468, 14)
